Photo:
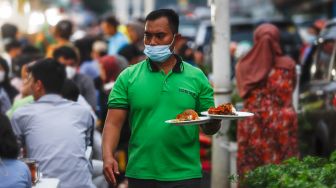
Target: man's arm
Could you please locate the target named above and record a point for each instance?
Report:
(19, 133)
(111, 134)
(212, 127)
(17, 129)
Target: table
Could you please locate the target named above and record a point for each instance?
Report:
(47, 183)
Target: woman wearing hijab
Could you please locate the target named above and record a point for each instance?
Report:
(110, 68)
(266, 80)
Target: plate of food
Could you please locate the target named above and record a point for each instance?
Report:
(226, 111)
(188, 117)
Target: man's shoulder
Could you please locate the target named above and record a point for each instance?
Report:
(118, 36)
(78, 107)
(25, 110)
(134, 68)
(29, 107)
(121, 36)
(79, 77)
(86, 64)
(139, 65)
(192, 69)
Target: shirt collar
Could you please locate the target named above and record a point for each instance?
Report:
(178, 68)
(49, 97)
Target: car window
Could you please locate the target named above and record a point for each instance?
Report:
(188, 28)
(242, 32)
(325, 66)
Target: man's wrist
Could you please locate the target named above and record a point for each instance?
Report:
(215, 121)
(108, 156)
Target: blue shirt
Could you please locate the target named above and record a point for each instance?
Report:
(90, 68)
(14, 173)
(116, 42)
(56, 133)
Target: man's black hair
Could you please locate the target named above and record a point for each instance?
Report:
(9, 148)
(111, 20)
(12, 44)
(64, 29)
(20, 61)
(84, 45)
(70, 90)
(172, 17)
(66, 52)
(9, 31)
(29, 53)
(50, 72)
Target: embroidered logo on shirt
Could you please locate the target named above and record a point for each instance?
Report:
(186, 91)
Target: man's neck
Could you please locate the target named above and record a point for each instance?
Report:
(168, 65)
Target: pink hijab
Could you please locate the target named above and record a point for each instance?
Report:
(253, 69)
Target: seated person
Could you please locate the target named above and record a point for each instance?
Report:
(55, 131)
(69, 57)
(13, 173)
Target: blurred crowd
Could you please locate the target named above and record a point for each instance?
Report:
(92, 63)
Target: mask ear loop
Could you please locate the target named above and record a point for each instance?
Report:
(172, 43)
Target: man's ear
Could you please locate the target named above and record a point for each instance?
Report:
(176, 40)
(177, 37)
(39, 85)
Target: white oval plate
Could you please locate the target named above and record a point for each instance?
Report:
(199, 121)
(239, 115)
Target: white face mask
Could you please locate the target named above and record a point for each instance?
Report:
(70, 72)
(158, 53)
(2, 76)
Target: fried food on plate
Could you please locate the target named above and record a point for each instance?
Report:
(187, 115)
(223, 109)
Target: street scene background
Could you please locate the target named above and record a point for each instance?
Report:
(215, 36)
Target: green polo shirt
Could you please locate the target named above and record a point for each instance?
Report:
(158, 150)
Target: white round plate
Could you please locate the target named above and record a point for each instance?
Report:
(239, 115)
(199, 121)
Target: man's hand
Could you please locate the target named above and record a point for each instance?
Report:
(211, 127)
(111, 134)
(111, 170)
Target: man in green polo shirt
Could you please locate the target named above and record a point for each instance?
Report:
(148, 93)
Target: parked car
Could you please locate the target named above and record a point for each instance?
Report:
(188, 27)
(318, 93)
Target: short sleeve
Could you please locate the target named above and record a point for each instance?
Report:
(205, 98)
(118, 97)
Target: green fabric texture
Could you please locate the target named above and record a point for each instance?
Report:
(19, 103)
(158, 150)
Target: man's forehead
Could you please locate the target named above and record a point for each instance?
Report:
(158, 25)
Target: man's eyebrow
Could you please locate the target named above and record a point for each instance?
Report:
(158, 33)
